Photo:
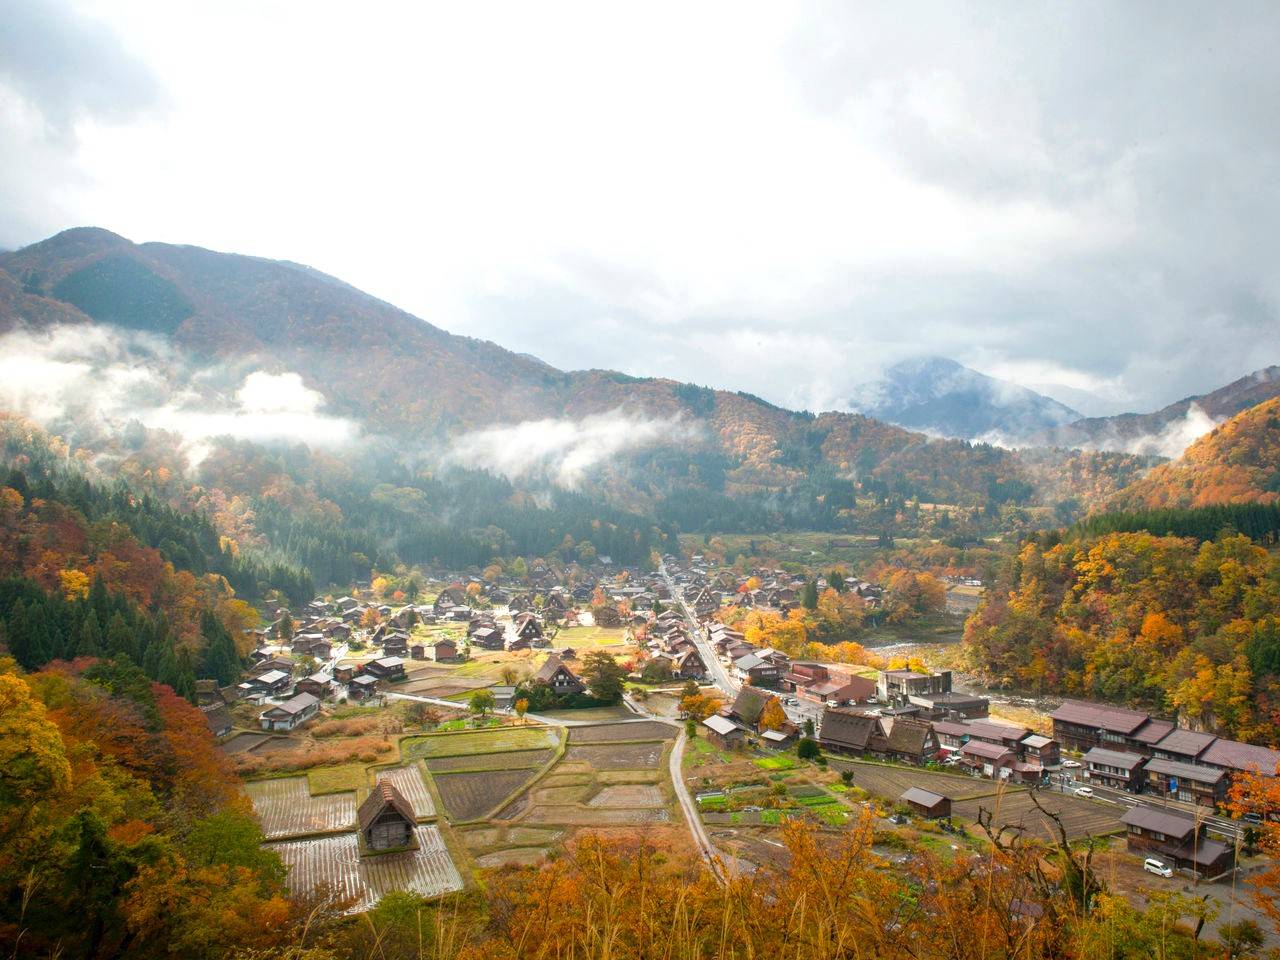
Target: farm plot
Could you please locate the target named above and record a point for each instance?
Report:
(617, 756)
(243, 741)
(335, 862)
(628, 795)
(891, 782)
(496, 740)
(612, 732)
(1081, 818)
(570, 815)
(408, 780)
(469, 796)
(285, 808)
(511, 760)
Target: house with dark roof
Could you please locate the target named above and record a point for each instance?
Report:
(1117, 769)
(293, 712)
(386, 818)
(558, 677)
(1082, 726)
(1192, 782)
(904, 739)
(846, 731)
(1183, 746)
(926, 803)
(1235, 757)
(749, 705)
(758, 671)
(1176, 839)
(385, 668)
(218, 717)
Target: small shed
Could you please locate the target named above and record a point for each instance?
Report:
(724, 733)
(386, 818)
(926, 803)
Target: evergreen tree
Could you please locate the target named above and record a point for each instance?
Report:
(90, 636)
(220, 660)
(20, 639)
(120, 640)
(809, 595)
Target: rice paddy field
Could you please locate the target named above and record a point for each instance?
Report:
(611, 732)
(471, 742)
(335, 862)
(510, 760)
(408, 780)
(286, 808)
(470, 796)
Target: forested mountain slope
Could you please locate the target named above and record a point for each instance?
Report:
(1238, 462)
(397, 375)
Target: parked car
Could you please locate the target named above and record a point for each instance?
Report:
(1071, 764)
(1159, 868)
(1084, 791)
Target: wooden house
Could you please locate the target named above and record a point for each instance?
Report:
(927, 804)
(318, 685)
(558, 677)
(362, 687)
(724, 733)
(385, 668)
(290, 714)
(528, 627)
(386, 818)
(1176, 839)
(218, 717)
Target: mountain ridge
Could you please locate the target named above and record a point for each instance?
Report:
(938, 395)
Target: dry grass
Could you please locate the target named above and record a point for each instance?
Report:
(358, 726)
(314, 754)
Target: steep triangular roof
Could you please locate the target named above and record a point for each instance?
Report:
(550, 668)
(750, 703)
(384, 795)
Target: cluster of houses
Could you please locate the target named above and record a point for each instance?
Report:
(668, 640)
(1133, 751)
(707, 590)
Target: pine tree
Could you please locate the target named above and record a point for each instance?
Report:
(809, 595)
(20, 639)
(90, 639)
(120, 640)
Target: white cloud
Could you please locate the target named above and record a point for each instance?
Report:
(967, 180)
(99, 378)
(563, 451)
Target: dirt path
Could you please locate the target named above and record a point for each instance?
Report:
(690, 808)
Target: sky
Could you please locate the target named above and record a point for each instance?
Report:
(773, 197)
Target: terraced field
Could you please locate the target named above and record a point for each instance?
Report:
(408, 780)
(628, 795)
(616, 756)
(1080, 817)
(469, 796)
(285, 808)
(511, 760)
(612, 732)
(335, 862)
(890, 782)
(466, 743)
(573, 815)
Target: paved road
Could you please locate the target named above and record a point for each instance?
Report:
(719, 675)
(690, 808)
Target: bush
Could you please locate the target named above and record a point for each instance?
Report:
(808, 749)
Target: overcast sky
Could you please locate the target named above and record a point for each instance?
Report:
(766, 197)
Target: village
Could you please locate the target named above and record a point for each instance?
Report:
(414, 746)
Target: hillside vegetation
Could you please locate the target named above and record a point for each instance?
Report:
(1238, 462)
(1171, 624)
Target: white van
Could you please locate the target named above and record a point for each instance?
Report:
(1158, 867)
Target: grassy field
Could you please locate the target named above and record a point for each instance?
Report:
(589, 638)
(340, 779)
(511, 760)
(496, 740)
(591, 713)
